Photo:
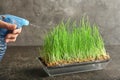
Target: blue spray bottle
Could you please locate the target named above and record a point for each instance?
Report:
(20, 22)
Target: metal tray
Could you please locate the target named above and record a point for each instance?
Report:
(74, 68)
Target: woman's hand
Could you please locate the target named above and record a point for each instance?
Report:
(10, 37)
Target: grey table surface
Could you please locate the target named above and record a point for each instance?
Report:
(20, 63)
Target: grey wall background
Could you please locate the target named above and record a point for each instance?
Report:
(47, 13)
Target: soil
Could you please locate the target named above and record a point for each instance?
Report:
(72, 61)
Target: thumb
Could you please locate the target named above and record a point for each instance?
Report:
(7, 25)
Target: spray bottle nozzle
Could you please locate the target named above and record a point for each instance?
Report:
(20, 22)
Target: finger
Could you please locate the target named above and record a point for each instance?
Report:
(7, 25)
(11, 36)
(17, 31)
(10, 40)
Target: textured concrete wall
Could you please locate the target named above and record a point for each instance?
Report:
(47, 13)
